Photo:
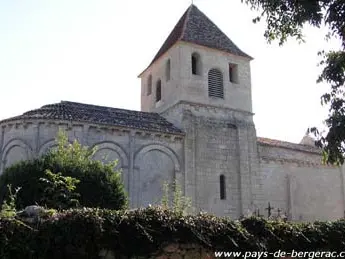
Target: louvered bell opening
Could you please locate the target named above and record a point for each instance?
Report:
(215, 84)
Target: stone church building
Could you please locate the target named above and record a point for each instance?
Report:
(196, 126)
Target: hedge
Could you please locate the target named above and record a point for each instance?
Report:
(83, 233)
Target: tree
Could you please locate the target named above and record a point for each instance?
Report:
(72, 175)
(59, 191)
(285, 19)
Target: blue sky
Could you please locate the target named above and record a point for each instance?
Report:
(92, 51)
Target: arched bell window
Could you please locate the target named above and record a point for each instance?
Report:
(158, 90)
(215, 83)
(196, 64)
(149, 85)
(168, 70)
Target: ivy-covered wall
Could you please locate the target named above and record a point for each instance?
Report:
(156, 233)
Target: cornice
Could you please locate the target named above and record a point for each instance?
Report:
(298, 162)
(208, 106)
(88, 125)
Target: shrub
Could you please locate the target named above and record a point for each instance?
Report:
(59, 191)
(83, 233)
(99, 186)
(180, 204)
(8, 208)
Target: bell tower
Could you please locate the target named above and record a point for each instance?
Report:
(197, 63)
(201, 81)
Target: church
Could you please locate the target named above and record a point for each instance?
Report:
(195, 126)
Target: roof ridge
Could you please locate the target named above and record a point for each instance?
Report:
(222, 31)
(287, 144)
(278, 140)
(185, 22)
(90, 106)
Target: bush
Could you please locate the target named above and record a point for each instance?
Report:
(59, 191)
(83, 233)
(8, 207)
(176, 202)
(99, 186)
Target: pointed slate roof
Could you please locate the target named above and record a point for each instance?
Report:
(195, 27)
(72, 111)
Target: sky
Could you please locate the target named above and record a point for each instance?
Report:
(92, 51)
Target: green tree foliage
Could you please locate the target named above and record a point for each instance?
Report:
(100, 185)
(59, 191)
(8, 208)
(180, 203)
(286, 18)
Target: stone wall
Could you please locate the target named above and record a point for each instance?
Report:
(171, 88)
(216, 153)
(219, 141)
(299, 185)
(195, 87)
(147, 159)
(171, 251)
(184, 86)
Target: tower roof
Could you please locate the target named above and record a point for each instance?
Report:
(195, 27)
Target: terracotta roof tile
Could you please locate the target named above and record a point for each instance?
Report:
(80, 112)
(289, 145)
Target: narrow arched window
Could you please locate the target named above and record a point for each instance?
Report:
(158, 90)
(196, 64)
(167, 70)
(222, 187)
(233, 73)
(149, 85)
(215, 83)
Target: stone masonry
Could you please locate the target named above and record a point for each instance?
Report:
(137, 151)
